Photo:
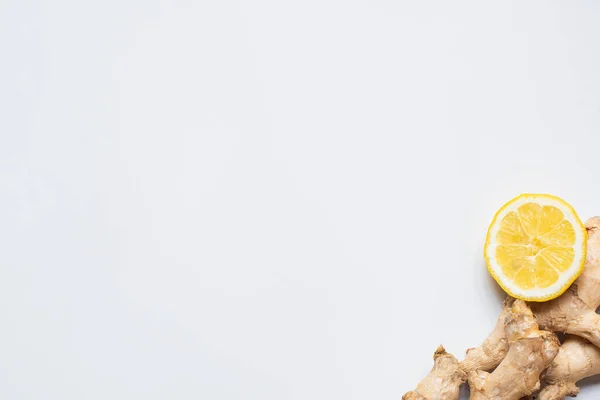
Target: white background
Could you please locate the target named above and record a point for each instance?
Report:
(272, 199)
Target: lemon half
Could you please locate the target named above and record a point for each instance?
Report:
(535, 247)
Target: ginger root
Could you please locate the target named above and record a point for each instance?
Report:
(576, 359)
(530, 352)
(443, 381)
(493, 350)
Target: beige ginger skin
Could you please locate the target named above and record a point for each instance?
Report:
(530, 352)
(447, 374)
(577, 359)
(443, 381)
(493, 350)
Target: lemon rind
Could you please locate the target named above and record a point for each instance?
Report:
(566, 279)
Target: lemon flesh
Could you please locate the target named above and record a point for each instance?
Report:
(535, 247)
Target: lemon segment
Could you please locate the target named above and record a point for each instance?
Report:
(535, 247)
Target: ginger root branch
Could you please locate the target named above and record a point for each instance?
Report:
(493, 350)
(443, 382)
(530, 352)
(576, 359)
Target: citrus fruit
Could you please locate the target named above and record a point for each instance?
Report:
(535, 247)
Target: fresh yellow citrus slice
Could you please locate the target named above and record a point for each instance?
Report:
(535, 247)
